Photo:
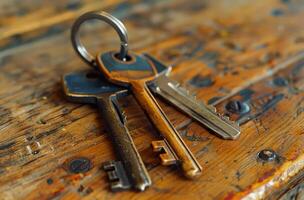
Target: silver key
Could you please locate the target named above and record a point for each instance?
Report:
(171, 91)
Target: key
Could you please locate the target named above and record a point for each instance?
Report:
(134, 71)
(167, 155)
(90, 87)
(171, 91)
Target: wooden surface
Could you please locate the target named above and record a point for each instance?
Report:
(221, 50)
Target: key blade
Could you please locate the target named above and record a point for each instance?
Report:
(117, 176)
(180, 97)
(166, 154)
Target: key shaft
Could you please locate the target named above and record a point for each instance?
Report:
(123, 142)
(189, 164)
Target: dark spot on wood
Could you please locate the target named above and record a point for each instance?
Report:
(237, 107)
(35, 152)
(29, 162)
(66, 111)
(210, 58)
(201, 81)
(121, 8)
(17, 39)
(213, 100)
(274, 100)
(280, 81)
(41, 121)
(261, 104)
(277, 12)
(21, 11)
(224, 90)
(261, 46)
(29, 138)
(161, 190)
(238, 187)
(285, 1)
(269, 56)
(233, 46)
(73, 5)
(88, 190)
(299, 40)
(50, 132)
(185, 50)
(80, 188)
(194, 49)
(203, 150)
(300, 110)
(195, 6)
(238, 175)
(267, 155)
(246, 93)
(2, 170)
(192, 137)
(79, 165)
(7, 145)
(49, 181)
(5, 115)
(235, 73)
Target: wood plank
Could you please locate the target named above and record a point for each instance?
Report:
(42, 132)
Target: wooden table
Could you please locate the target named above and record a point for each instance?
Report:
(224, 51)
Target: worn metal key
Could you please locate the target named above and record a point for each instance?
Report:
(90, 87)
(171, 91)
(134, 71)
(135, 74)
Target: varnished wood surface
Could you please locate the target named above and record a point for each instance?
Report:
(218, 49)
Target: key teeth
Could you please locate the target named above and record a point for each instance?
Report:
(180, 88)
(116, 175)
(110, 165)
(212, 108)
(170, 90)
(166, 155)
(227, 118)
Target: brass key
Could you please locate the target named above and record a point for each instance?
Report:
(137, 80)
(133, 71)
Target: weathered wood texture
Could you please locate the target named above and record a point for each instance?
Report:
(221, 50)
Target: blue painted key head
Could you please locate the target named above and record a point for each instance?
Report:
(86, 86)
(158, 65)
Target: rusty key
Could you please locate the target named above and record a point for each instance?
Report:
(90, 87)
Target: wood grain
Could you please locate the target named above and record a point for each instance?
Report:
(218, 49)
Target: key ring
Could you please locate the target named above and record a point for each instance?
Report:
(109, 19)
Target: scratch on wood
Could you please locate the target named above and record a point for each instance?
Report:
(7, 145)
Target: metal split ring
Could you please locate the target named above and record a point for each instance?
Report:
(109, 19)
